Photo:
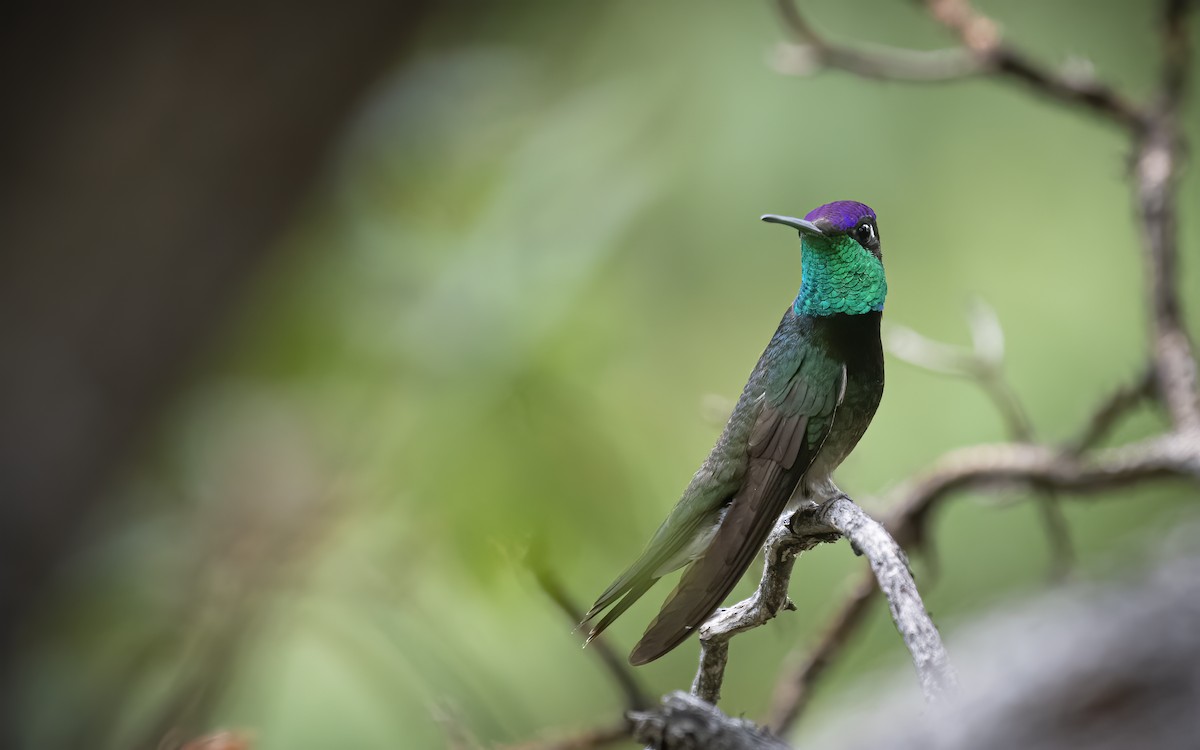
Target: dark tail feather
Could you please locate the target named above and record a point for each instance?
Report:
(678, 619)
(709, 579)
(634, 593)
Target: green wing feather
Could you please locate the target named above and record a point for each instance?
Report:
(789, 431)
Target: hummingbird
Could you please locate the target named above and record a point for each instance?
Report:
(807, 403)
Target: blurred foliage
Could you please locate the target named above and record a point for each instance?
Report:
(509, 322)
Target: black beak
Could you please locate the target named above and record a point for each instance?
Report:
(805, 227)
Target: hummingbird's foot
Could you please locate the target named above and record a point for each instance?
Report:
(804, 515)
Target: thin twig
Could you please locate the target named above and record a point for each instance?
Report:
(1046, 500)
(1114, 407)
(629, 685)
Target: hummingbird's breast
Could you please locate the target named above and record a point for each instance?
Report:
(854, 341)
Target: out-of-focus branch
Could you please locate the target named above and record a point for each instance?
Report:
(1009, 464)
(812, 51)
(983, 52)
(983, 365)
(687, 722)
(981, 36)
(803, 530)
(1155, 171)
(585, 740)
(1117, 405)
(617, 667)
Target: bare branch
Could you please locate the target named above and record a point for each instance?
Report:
(803, 530)
(1008, 464)
(1058, 533)
(1177, 52)
(981, 36)
(812, 52)
(983, 52)
(983, 364)
(687, 722)
(792, 535)
(871, 539)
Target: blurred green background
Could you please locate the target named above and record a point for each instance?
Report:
(509, 324)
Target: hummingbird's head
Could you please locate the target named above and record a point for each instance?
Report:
(842, 269)
(833, 223)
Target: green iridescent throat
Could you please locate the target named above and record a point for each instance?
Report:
(839, 276)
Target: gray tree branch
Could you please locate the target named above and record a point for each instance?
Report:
(888, 562)
(792, 535)
(803, 530)
(686, 722)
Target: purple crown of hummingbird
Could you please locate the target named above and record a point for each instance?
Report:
(842, 216)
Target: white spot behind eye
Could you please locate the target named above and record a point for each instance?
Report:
(870, 230)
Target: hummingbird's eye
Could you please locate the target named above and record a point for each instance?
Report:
(865, 234)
